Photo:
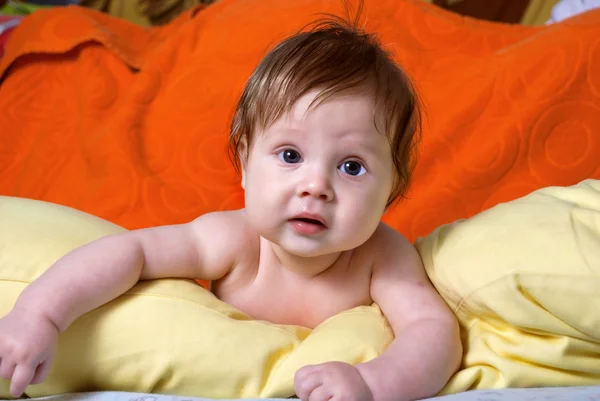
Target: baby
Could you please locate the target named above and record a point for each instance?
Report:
(324, 135)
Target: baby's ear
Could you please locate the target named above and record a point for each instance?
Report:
(243, 155)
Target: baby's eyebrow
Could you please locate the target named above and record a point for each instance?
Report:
(280, 128)
(365, 146)
(294, 130)
(276, 132)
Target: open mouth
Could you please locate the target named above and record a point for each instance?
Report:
(308, 224)
(309, 221)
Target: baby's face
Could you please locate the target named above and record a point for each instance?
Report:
(317, 181)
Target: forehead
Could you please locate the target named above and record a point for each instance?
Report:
(358, 100)
(342, 114)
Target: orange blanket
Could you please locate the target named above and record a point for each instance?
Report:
(130, 123)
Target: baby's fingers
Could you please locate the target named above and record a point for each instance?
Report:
(42, 372)
(321, 393)
(6, 368)
(21, 379)
(306, 381)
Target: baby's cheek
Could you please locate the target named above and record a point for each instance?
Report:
(363, 217)
(262, 200)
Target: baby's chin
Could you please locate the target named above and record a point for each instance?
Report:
(307, 246)
(310, 253)
(313, 249)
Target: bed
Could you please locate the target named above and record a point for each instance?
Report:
(547, 394)
(508, 165)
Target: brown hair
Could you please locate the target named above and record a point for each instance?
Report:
(334, 56)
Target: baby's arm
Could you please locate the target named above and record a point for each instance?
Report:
(427, 348)
(100, 271)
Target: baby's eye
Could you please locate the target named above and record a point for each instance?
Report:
(352, 168)
(289, 156)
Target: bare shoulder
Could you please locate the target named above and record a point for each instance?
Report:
(387, 236)
(230, 220)
(228, 234)
(231, 226)
(206, 248)
(399, 282)
(392, 250)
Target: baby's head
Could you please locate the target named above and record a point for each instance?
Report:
(334, 57)
(326, 129)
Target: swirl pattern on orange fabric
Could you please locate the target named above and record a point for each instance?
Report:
(131, 124)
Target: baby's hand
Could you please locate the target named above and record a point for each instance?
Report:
(335, 381)
(27, 345)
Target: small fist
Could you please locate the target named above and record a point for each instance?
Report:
(27, 345)
(335, 381)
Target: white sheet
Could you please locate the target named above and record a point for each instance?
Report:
(538, 394)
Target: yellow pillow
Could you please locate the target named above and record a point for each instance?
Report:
(523, 279)
(166, 336)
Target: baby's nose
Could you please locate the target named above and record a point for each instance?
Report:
(317, 185)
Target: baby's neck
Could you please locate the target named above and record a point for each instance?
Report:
(307, 267)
